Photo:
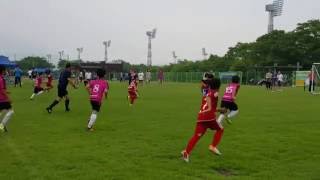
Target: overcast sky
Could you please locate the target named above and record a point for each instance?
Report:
(40, 27)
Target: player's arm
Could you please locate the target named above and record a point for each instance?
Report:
(72, 83)
(88, 87)
(208, 100)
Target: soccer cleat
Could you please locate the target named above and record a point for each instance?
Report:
(5, 129)
(2, 128)
(215, 150)
(90, 129)
(229, 121)
(49, 110)
(68, 110)
(185, 156)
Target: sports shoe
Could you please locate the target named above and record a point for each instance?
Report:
(68, 110)
(49, 110)
(90, 129)
(2, 128)
(5, 129)
(185, 156)
(215, 150)
(229, 121)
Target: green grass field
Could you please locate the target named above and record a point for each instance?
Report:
(275, 136)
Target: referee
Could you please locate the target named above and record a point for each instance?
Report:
(64, 79)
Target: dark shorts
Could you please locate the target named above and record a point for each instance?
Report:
(232, 106)
(62, 92)
(95, 105)
(5, 105)
(37, 89)
(279, 83)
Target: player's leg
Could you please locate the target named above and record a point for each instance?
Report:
(40, 91)
(222, 115)
(61, 94)
(199, 132)
(94, 114)
(8, 112)
(66, 103)
(216, 137)
(35, 91)
(233, 112)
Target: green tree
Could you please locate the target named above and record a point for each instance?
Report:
(34, 62)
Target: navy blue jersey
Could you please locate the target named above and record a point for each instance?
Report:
(63, 79)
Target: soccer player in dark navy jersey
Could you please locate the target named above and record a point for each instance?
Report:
(64, 80)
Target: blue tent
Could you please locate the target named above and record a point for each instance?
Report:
(6, 62)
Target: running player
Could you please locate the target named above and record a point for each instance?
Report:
(97, 89)
(37, 86)
(5, 103)
(207, 120)
(49, 82)
(228, 100)
(64, 80)
(133, 90)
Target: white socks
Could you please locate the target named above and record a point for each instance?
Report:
(92, 119)
(7, 117)
(233, 113)
(32, 96)
(220, 119)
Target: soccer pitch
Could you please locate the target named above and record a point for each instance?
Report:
(275, 136)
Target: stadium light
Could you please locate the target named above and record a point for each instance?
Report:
(174, 57)
(204, 53)
(80, 50)
(106, 45)
(151, 35)
(274, 9)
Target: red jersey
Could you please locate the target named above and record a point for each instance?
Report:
(211, 115)
(3, 90)
(38, 82)
(49, 79)
(231, 92)
(133, 86)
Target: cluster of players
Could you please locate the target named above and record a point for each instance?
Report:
(98, 91)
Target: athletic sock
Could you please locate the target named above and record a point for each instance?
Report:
(66, 103)
(92, 120)
(54, 103)
(7, 117)
(32, 96)
(39, 93)
(192, 142)
(217, 137)
(220, 119)
(233, 113)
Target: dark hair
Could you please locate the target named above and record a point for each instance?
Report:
(68, 65)
(2, 68)
(235, 79)
(101, 73)
(208, 76)
(214, 83)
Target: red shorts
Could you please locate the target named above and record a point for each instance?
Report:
(132, 95)
(203, 126)
(49, 85)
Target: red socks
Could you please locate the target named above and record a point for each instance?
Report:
(217, 137)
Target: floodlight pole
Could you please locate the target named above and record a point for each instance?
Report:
(271, 22)
(49, 58)
(174, 57)
(106, 45)
(149, 59)
(80, 50)
(61, 54)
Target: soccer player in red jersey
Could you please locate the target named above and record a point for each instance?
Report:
(228, 100)
(5, 103)
(133, 90)
(98, 90)
(49, 82)
(207, 119)
(37, 86)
